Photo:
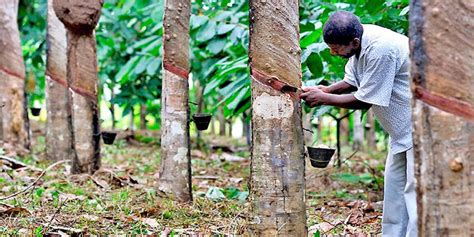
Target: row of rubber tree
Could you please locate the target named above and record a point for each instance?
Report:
(443, 111)
(73, 130)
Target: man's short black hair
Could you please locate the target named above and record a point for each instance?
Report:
(341, 28)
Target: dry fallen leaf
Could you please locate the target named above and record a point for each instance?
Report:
(90, 217)
(151, 222)
(14, 211)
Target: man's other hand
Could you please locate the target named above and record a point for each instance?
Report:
(314, 95)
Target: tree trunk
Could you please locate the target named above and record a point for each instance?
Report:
(358, 138)
(213, 126)
(221, 117)
(344, 132)
(229, 127)
(370, 131)
(320, 125)
(143, 117)
(132, 120)
(308, 136)
(277, 169)
(112, 107)
(80, 19)
(443, 74)
(58, 135)
(175, 173)
(15, 124)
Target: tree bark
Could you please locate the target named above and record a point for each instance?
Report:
(358, 139)
(220, 112)
(370, 131)
(277, 168)
(143, 117)
(229, 127)
(58, 135)
(15, 123)
(80, 19)
(175, 173)
(112, 107)
(308, 136)
(442, 52)
(344, 132)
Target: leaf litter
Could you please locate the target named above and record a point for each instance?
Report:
(120, 198)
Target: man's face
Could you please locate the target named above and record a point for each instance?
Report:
(345, 51)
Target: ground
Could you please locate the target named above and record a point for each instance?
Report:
(120, 198)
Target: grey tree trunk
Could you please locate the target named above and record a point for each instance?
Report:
(221, 117)
(143, 117)
(442, 50)
(344, 129)
(112, 108)
(175, 172)
(229, 127)
(58, 135)
(308, 136)
(80, 19)
(358, 138)
(14, 116)
(370, 131)
(277, 185)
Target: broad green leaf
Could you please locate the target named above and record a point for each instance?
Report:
(206, 32)
(321, 110)
(197, 21)
(224, 28)
(236, 34)
(215, 194)
(153, 66)
(241, 95)
(144, 42)
(310, 38)
(221, 16)
(141, 66)
(216, 45)
(315, 64)
(405, 11)
(122, 75)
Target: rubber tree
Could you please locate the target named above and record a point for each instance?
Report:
(442, 53)
(80, 19)
(175, 171)
(58, 134)
(277, 185)
(15, 124)
(358, 129)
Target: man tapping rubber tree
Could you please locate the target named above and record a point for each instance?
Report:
(378, 74)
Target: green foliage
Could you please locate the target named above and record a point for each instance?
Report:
(129, 42)
(32, 26)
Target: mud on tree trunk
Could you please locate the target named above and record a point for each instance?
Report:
(15, 124)
(80, 19)
(442, 52)
(277, 167)
(175, 171)
(58, 134)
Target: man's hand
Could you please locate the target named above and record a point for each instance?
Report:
(314, 95)
(325, 89)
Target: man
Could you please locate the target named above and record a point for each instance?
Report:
(378, 73)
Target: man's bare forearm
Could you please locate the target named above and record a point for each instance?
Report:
(341, 87)
(347, 101)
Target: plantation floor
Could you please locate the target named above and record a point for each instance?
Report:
(120, 198)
